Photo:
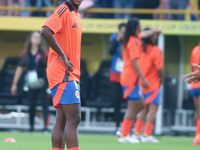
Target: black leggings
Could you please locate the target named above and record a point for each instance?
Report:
(117, 96)
(33, 96)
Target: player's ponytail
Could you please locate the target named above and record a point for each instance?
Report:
(131, 27)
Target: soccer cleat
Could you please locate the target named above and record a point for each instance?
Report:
(128, 139)
(150, 139)
(196, 140)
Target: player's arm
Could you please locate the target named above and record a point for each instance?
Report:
(16, 78)
(50, 39)
(161, 76)
(140, 74)
(148, 33)
(194, 76)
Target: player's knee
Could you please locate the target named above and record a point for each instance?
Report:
(142, 106)
(75, 120)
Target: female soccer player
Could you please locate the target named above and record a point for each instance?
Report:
(131, 73)
(153, 62)
(63, 32)
(34, 59)
(195, 90)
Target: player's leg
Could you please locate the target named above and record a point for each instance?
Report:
(73, 115)
(135, 105)
(153, 99)
(197, 135)
(140, 120)
(67, 96)
(57, 137)
(196, 107)
(195, 93)
(153, 108)
(150, 119)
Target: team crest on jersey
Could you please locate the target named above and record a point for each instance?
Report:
(77, 94)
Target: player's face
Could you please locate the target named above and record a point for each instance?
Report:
(121, 32)
(36, 38)
(77, 2)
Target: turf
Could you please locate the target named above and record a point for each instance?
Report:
(40, 141)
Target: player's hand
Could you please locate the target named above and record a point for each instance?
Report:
(14, 89)
(158, 31)
(67, 63)
(194, 76)
(145, 83)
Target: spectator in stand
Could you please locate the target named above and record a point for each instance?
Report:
(38, 4)
(123, 4)
(178, 4)
(105, 4)
(146, 4)
(11, 3)
(164, 6)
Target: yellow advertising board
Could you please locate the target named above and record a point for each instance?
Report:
(168, 27)
(103, 26)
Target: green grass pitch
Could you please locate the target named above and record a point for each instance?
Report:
(40, 141)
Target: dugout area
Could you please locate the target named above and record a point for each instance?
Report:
(177, 41)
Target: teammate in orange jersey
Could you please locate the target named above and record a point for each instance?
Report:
(63, 32)
(152, 61)
(195, 91)
(131, 73)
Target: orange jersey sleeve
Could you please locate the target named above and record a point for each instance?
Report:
(56, 22)
(133, 48)
(140, 36)
(195, 57)
(158, 58)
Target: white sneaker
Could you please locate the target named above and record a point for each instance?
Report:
(128, 139)
(150, 139)
(137, 137)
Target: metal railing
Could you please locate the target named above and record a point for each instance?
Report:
(109, 10)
